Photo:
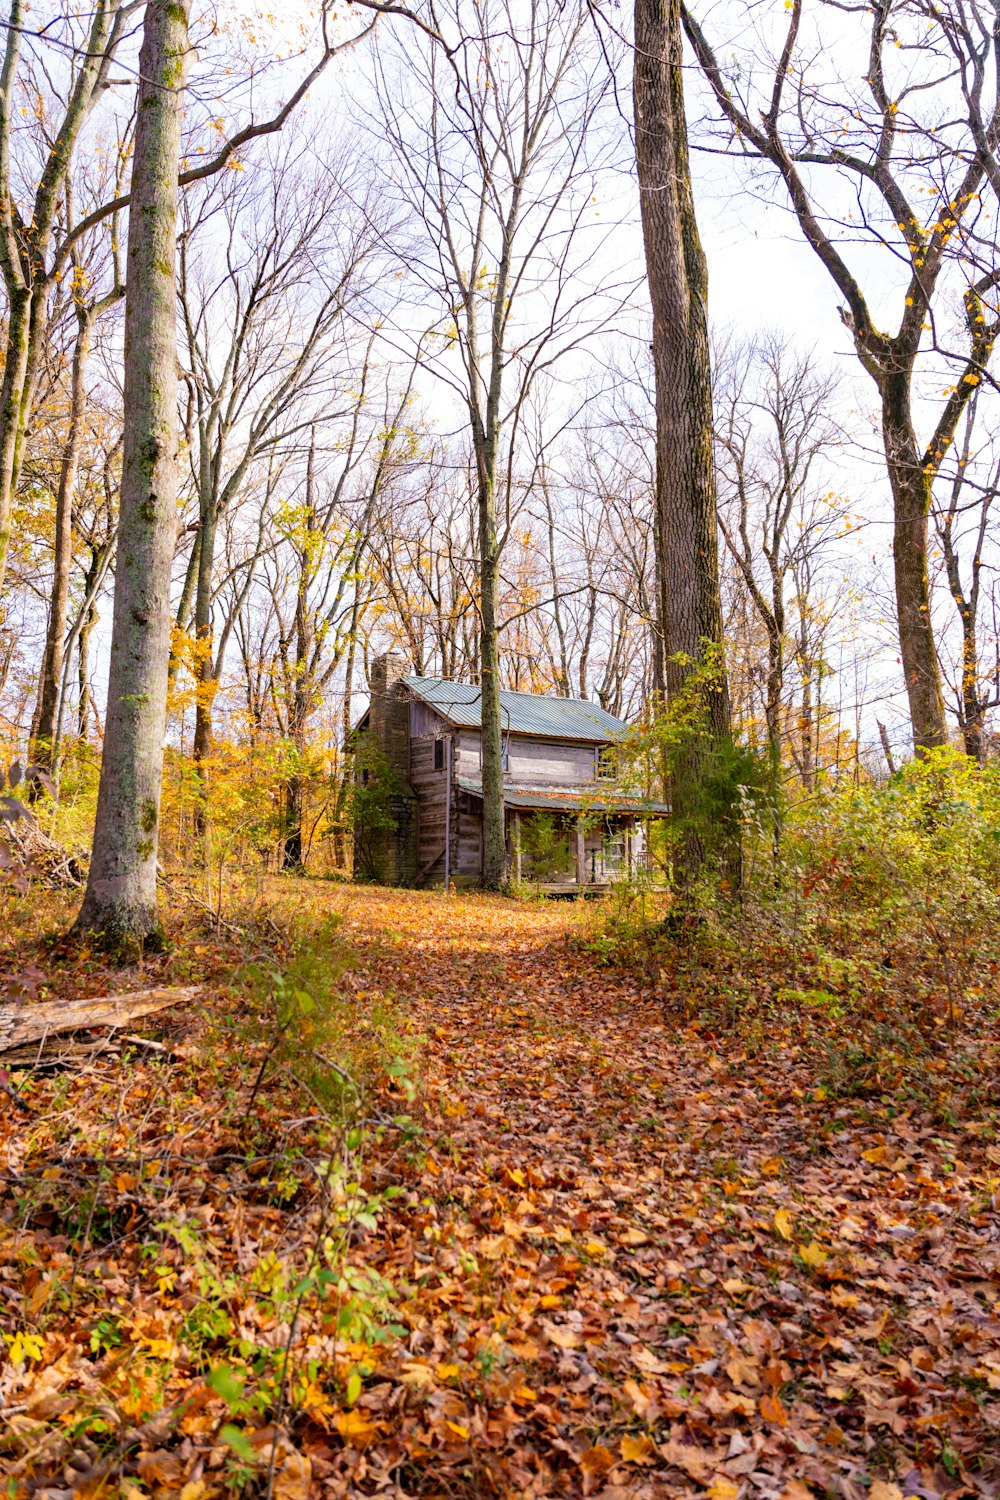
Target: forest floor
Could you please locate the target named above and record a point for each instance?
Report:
(553, 1235)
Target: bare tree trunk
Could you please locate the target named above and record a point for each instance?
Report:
(83, 672)
(120, 899)
(300, 686)
(772, 704)
(974, 701)
(25, 242)
(43, 748)
(342, 857)
(12, 396)
(886, 747)
(972, 712)
(204, 665)
(183, 614)
(808, 750)
(911, 493)
(494, 843)
(889, 360)
(687, 543)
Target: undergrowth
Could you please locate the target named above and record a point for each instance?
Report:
(179, 1225)
(867, 941)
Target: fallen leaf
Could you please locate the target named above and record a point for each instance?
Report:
(638, 1450)
(683, 1456)
(840, 1298)
(293, 1479)
(772, 1410)
(783, 1224)
(633, 1236)
(646, 1360)
(157, 1466)
(595, 1463)
(722, 1489)
(563, 1338)
(354, 1427)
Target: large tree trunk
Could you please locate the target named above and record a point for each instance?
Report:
(120, 900)
(26, 328)
(15, 372)
(50, 683)
(686, 538)
(494, 844)
(911, 494)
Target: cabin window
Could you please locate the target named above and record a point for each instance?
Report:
(439, 755)
(606, 763)
(505, 755)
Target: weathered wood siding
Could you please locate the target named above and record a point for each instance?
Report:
(533, 762)
(432, 789)
(470, 844)
(425, 720)
(468, 752)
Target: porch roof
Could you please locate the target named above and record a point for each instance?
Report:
(570, 799)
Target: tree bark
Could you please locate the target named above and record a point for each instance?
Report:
(50, 683)
(83, 672)
(205, 684)
(911, 494)
(120, 899)
(494, 841)
(687, 559)
(25, 243)
(15, 374)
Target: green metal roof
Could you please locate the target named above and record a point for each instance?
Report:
(569, 799)
(520, 713)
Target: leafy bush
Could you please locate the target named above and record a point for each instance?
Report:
(914, 861)
(545, 850)
(866, 939)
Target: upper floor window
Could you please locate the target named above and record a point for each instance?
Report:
(504, 754)
(439, 755)
(606, 763)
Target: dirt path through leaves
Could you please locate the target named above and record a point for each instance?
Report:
(611, 1254)
(650, 1266)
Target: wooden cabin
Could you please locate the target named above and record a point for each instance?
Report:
(569, 823)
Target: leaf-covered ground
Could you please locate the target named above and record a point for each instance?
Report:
(599, 1251)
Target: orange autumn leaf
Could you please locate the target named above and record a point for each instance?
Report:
(773, 1411)
(638, 1449)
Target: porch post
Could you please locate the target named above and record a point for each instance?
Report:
(517, 844)
(581, 855)
(627, 848)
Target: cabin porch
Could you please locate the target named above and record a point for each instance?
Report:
(565, 841)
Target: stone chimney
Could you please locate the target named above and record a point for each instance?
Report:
(389, 716)
(388, 854)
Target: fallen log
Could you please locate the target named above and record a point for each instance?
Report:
(33, 1024)
(58, 1051)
